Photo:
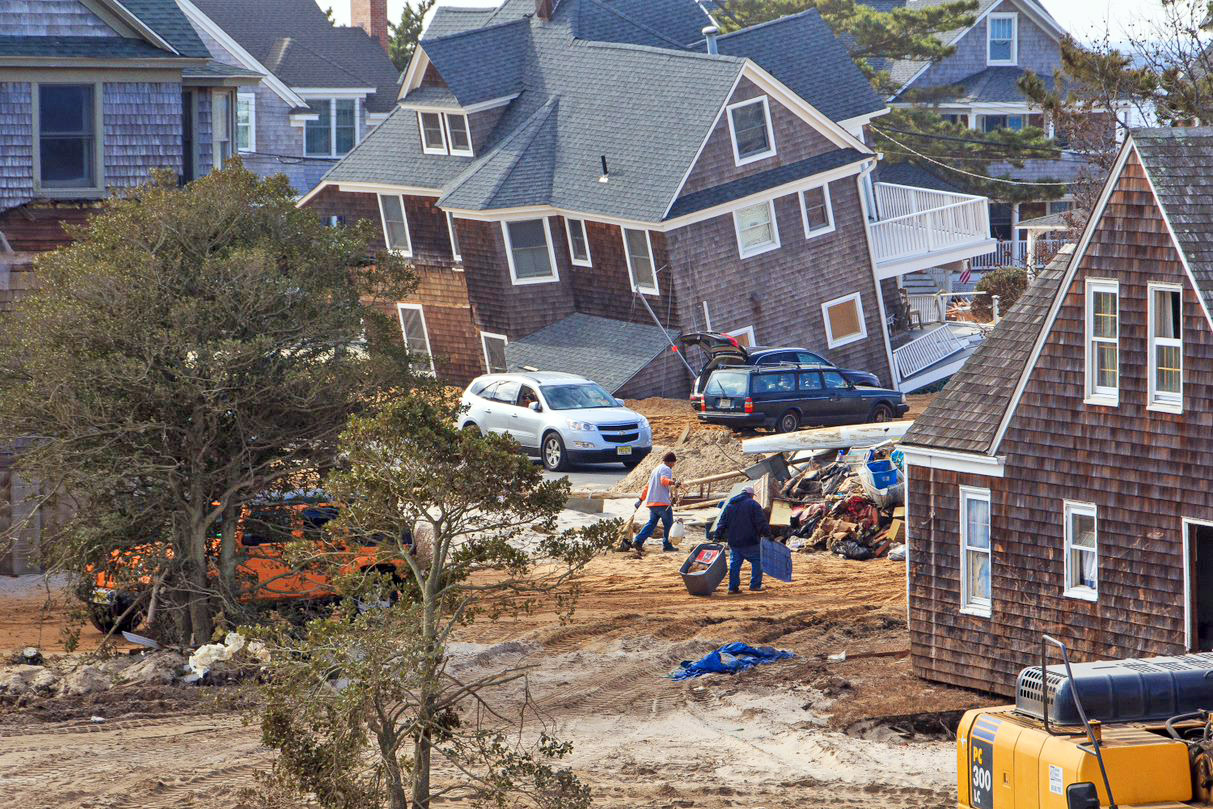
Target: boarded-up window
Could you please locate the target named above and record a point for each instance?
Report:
(844, 320)
(1103, 340)
(494, 352)
(395, 226)
(1166, 347)
(1082, 551)
(416, 335)
(640, 260)
(975, 595)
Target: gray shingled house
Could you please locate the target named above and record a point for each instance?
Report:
(323, 88)
(93, 95)
(1058, 484)
(606, 171)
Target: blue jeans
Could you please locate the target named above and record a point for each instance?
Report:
(751, 554)
(662, 514)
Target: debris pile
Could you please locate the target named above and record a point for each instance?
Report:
(703, 453)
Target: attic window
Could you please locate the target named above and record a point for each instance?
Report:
(445, 133)
(750, 128)
(1002, 38)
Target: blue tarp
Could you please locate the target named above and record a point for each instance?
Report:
(730, 659)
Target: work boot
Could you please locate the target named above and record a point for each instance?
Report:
(668, 548)
(734, 592)
(757, 589)
(638, 550)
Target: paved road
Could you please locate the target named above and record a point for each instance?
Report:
(591, 478)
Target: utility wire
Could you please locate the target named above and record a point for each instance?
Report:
(962, 171)
(993, 144)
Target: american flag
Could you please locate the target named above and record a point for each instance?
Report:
(966, 275)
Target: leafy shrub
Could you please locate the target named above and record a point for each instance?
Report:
(1008, 283)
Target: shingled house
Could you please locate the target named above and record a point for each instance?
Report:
(1059, 482)
(323, 87)
(592, 174)
(93, 95)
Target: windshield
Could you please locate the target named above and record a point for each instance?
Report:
(728, 383)
(577, 397)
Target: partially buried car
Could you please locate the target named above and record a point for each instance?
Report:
(560, 418)
(723, 350)
(788, 397)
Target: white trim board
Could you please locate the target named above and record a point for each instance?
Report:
(1186, 525)
(950, 460)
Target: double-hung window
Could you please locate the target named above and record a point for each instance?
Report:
(416, 335)
(975, 551)
(579, 243)
(1103, 342)
(395, 225)
(450, 226)
(494, 351)
(222, 123)
(445, 133)
(1082, 551)
(642, 269)
(528, 248)
(1002, 35)
(816, 211)
(335, 130)
(246, 122)
(750, 128)
(67, 136)
(757, 231)
(1166, 348)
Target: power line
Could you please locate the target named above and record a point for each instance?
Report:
(994, 144)
(963, 171)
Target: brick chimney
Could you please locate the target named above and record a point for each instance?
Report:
(371, 16)
(544, 8)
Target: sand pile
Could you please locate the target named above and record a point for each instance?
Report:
(704, 453)
(669, 418)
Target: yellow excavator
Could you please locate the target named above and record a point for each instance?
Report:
(1118, 734)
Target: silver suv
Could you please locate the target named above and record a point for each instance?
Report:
(561, 418)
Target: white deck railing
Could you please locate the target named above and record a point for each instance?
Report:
(919, 221)
(1015, 254)
(923, 352)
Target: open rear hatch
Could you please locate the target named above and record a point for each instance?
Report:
(720, 349)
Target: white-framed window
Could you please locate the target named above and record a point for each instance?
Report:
(579, 242)
(335, 130)
(494, 351)
(445, 133)
(395, 224)
(246, 122)
(975, 551)
(1166, 348)
(223, 121)
(1103, 342)
(413, 328)
(745, 336)
(757, 230)
(67, 143)
(844, 320)
(1002, 38)
(1082, 551)
(751, 130)
(528, 249)
(816, 211)
(642, 269)
(450, 227)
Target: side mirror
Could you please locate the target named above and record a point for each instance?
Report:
(536, 407)
(1082, 796)
(619, 402)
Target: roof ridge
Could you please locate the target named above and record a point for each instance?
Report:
(484, 160)
(540, 121)
(631, 21)
(719, 58)
(770, 23)
(523, 20)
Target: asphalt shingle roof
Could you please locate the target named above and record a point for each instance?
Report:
(915, 175)
(213, 69)
(646, 109)
(167, 19)
(82, 47)
(1180, 165)
(755, 183)
(296, 42)
(802, 52)
(965, 416)
(575, 345)
(431, 96)
(993, 84)
(449, 20)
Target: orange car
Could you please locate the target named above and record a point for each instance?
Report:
(262, 534)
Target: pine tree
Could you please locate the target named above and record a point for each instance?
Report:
(407, 32)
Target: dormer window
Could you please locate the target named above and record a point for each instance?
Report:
(1002, 32)
(750, 128)
(445, 133)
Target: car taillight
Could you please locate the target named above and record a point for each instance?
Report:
(749, 405)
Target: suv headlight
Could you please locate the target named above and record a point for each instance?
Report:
(581, 426)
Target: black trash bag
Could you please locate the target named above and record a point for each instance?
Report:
(852, 549)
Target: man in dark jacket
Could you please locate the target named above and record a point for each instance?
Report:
(743, 524)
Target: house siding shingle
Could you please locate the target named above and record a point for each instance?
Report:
(142, 123)
(1037, 51)
(807, 273)
(1057, 448)
(51, 18)
(16, 144)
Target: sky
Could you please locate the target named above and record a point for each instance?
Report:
(1087, 20)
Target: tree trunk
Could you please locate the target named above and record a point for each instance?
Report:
(421, 757)
(201, 620)
(227, 556)
(389, 743)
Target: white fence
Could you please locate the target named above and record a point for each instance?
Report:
(1015, 254)
(919, 221)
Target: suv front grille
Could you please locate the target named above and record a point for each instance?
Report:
(619, 433)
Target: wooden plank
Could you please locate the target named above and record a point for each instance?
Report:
(847, 435)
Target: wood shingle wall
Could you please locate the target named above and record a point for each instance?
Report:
(1144, 470)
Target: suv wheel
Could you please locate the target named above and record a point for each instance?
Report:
(789, 422)
(882, 412)
(555, 457)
